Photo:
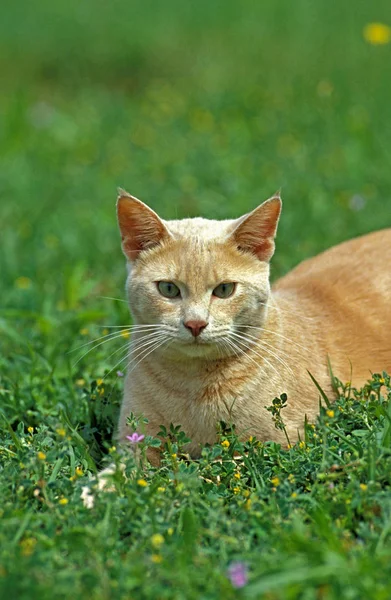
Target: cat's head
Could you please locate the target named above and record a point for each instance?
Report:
(204, 282)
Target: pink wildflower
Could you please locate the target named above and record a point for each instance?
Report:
(135, 438)
(238, 574)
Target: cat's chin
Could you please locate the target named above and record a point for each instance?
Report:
(200, 350)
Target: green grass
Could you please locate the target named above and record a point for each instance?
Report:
(202, 109)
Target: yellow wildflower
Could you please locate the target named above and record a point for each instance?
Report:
(236, 490)
(294, 495)
(246, 493)
(61, 432)
(161, 489)
(237, 475)
(30, 430)
(125, 334)
(27, 546)
(156, 558)
(377, 34)
(225, 444)
(275, 481)
(79, 471)
(301, 444)
(174, 456)
(83, 331)
(291, 478)
(157, 540)
(142, 482)
(330, 413)
(99, 381)
(63, 501)
(41, 456)
(363, 486)
(382, 380)
(23, 283)
(247, 504)
(170, 531)
(250, 439)
(80, 382)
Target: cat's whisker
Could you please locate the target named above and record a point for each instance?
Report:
(126, 346)
(134, 326)
(221, 347)
(108, 335)
(151, 338)
(262, 341)
(147, 352)
(111, 298)
(114, 337)
(237, 349)
(129, 353)
(265, 348)
(230, 347)
(251, 349)
(124, 356)
(145, 342)
(278, 335)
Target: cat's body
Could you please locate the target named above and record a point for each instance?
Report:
(226, 358)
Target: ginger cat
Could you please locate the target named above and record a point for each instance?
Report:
(212, 341)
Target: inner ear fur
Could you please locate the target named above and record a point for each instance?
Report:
(141, 228)
(255, 232)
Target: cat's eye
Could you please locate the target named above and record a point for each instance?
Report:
(168, 289)
(224, 290)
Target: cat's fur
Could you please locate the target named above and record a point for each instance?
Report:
(336, 305)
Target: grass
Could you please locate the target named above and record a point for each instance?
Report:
(196, 109)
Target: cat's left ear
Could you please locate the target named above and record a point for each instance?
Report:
(255, 232)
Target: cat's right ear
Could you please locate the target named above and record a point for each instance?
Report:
(140, 226)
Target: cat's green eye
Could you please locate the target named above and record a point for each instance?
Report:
(168, 289)
(224, 290)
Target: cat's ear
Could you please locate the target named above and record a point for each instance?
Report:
(140, 226)
(255, 232)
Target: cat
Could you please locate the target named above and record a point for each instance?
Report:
(214, 342)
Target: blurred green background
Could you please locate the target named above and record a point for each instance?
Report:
(196, 108)
(202, 108)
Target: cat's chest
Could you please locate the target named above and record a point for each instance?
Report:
(188, 395)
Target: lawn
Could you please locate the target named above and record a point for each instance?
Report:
(197, 109)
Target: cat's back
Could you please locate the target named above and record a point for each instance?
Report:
(340, 301)
(356, 267)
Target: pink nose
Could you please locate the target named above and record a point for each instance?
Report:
(195, 327)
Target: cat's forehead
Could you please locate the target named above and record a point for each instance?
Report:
(199, 253)
(199, 228)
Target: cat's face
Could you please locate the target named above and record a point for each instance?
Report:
(204, 283)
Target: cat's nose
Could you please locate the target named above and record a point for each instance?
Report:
(195, 327)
